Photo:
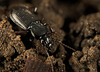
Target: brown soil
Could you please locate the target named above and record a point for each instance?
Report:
(75, 23)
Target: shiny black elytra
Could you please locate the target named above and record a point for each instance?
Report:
(27, 20)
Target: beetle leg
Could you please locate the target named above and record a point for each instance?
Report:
(35, 10)
(49, 59)
(52, 31)
(32, 34)
(64, 45)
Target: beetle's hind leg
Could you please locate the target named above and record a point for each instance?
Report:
(20, 32)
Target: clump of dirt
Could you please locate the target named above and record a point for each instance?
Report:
(10, 44)
(85, 30)
(85, 61)
(86, 34)
(31, 66)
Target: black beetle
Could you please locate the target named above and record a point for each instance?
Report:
(27, 20)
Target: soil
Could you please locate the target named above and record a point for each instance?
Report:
(75, 23)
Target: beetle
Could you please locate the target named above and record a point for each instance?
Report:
(27, 20)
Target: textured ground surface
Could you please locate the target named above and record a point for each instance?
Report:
(74, 22)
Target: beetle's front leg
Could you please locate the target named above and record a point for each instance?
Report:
(35, 10)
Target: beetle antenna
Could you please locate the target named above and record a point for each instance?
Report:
(52, 31)
(65, 45)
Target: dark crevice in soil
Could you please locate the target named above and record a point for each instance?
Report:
(98, 67)
(68, 1)
(14, 55)
(90, 9)
(1, 61)
(28, 1)
(4, 2)
(76, 34)
(67, 39)
(67, 21)
(66, 61)
(82, 38)
(27, 40)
